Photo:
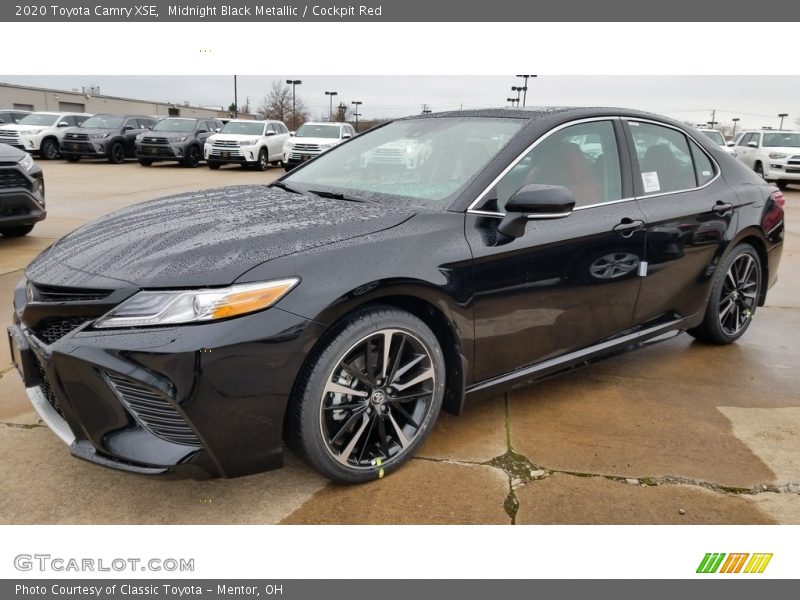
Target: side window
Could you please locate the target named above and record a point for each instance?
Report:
(145, 123)
(704, 168)
(582, 158)
(283, 127)
(70, 121)
(133, 123)
(746, 139)
(665, 162)
(271, 127)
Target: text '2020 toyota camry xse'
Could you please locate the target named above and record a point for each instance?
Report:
(426, 261)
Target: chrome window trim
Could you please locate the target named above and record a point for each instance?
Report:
(717, 168)
(490, 213)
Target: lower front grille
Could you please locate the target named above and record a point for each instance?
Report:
(52, 330)
(12, 178)
(44, 385)
(152, 410)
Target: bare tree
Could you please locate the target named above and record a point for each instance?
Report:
(277, 104)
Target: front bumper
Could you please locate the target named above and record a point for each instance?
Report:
(84, 148)
(782, 170)
(21, 197)
(232, 154)
(157, 152)
(199, 400)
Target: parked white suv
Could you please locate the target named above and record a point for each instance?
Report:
(249, 143)
(41, 132)
(773, 154)
(312, 139)
(716, 136)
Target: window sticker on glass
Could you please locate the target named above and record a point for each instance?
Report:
(650, 182)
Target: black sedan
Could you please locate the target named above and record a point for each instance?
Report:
(339, 309)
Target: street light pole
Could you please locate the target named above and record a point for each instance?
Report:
(235, 97)
(294, 82)
(525, 87)
(782, 115)
(357, 103)
(331, 94)
(735, 121)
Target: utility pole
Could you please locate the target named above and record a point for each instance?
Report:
(525, 87)
(782, 115)
(426, 109)
(235, 97)
(331, 94)
(735, 121)
(293, 83)
(357, 114)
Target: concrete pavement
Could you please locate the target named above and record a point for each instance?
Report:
(679, 432)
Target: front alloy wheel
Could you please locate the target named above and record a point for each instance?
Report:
(370, 398)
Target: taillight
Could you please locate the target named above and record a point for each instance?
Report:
(778, 199)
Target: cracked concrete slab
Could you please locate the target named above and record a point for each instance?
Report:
(422, 492)
(567, 499)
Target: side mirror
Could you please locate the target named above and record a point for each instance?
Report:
(201, 131)
(730, 144)
(346, 136)
(217, 130)
(128, 128)
(291, 133)
(270, 133)
(535, 201)
(753, 144)
(63, 124)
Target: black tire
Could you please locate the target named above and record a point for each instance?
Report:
(214, 165)
(49, 149)
(145, 163)
(345, 444)
(782, 184)
(117, 154)
(193, 157)
(263, 160)
(73, 158)
(276, 163)
(16, 231)
(734, 297)
(287, 167)
(759, 169)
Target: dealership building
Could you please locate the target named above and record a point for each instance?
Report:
(89, 100)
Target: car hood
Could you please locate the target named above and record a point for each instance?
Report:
(204, 238)
(18, 127)
(231, 137)
(10, 154)
(91, 130)
(312, 140)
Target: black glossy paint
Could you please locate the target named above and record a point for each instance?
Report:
(23, 202)
(506, 310)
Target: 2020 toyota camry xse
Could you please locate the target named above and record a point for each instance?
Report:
(340, 308)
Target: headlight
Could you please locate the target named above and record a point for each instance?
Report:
(326, 146)
(178, 140)
(252, 142)
(98, 136)
(139, 138)
(777, 155)
(30, 132)
(27, 163)
(154, 308)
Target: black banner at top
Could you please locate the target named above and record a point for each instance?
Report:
(396, 11)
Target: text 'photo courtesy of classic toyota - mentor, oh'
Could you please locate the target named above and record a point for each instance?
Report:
(403, 271)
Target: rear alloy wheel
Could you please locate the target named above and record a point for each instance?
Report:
(16, 231)
(49, 149)
(759, 169)
(370, 398)
(734, 297)
(117, 154)
(263, 160)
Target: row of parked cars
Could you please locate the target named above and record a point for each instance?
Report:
(188, 141)
(773, 154)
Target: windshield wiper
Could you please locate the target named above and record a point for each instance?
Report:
(283, 186)
(335, 196)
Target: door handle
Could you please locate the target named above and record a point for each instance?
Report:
(627, 227)
(722, 207)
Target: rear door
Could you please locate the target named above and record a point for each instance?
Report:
(690, 213)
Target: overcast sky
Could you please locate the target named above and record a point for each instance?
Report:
(757, 100)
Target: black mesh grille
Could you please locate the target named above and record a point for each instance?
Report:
(44, 385)
(153, 412)
(45, 293)
(53, 330)
(12, 178)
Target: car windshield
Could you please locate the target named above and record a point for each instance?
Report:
(782, 140)
(179, 125)
(103, 122)
(39, 120)
(429, 159)
(716, 137)
(318, 131)
(241, 128)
